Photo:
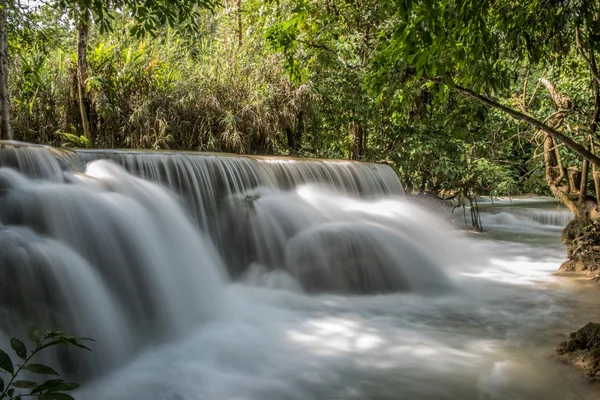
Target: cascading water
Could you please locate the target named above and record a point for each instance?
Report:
(539, 216)
(103, 254)
(209, 183)
(323, 281)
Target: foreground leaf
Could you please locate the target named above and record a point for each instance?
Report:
(24, 384)
(6, 363)
(55, 396)
(55, 385)
(35, 334)
(40, 369)
(19, 348)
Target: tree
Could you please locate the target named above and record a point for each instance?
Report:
(5, 127)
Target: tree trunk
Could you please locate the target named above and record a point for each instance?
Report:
(584, 181)
(596, 176)
(239, 22)
(294, 134)
(5, 127)
(356, 137)
(594, 124)
(83, 33)
(564, 183)
(555, 174)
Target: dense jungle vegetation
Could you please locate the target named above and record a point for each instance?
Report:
(490, 96)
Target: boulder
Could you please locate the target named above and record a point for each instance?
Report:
(582, 240)
(583, 350)
(573, 266)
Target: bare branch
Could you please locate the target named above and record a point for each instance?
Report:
(579, 149)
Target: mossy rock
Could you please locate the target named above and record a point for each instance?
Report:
(583, 350)
(582, 240)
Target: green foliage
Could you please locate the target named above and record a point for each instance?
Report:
(370, 80)
(480, 44)
(147, 16)
(12, 388)
(160, 95)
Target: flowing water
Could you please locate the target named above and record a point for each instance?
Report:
(213, 277)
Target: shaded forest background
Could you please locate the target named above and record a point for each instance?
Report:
(299, 78)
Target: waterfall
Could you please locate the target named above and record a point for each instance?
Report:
(103, 254)
(207, 183)
(134, 248)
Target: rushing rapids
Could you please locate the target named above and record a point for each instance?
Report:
(205, 276)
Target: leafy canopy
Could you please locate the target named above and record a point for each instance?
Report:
(480, 44)
(147, 15)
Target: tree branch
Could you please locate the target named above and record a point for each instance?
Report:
(576, 147)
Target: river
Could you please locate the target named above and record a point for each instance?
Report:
(302, 292)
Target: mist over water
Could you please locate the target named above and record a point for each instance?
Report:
(240, 278)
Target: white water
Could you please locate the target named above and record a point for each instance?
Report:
(447, 315)
(110, 256)
(533, 215)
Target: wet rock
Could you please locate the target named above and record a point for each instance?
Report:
(582, 240)
(573, 266)
(583, 350)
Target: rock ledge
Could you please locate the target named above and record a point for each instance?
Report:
(583, 350)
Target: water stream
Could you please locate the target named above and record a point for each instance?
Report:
(213, 277)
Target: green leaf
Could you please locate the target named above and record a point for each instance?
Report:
(55, 385)
(71, 341)
(24, 384)
(66, 386)
(49, 344)
(6, 363)
(47, 385)
(35, 334)
(40, 369)
(55, 396)
(19, 348)
(1, 385)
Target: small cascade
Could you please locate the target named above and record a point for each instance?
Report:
(216, 276)
(528, 218)
(35, 161)
(347, 177)
(550, 217)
